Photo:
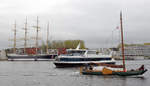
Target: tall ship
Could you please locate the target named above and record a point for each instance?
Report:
(80, 57)
(30, 53)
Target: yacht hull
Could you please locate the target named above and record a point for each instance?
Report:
(73, 64)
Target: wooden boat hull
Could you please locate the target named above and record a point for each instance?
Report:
(128, 73)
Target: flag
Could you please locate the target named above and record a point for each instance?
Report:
(117, 27)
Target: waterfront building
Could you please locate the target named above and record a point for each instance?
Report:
(135, 51)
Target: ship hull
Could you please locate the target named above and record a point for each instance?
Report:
(31, 57)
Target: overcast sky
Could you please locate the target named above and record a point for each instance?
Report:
(93, 21)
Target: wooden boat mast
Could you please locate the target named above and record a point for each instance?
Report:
(14, 49)
(25, 39)
(47, 38)
(122, 42)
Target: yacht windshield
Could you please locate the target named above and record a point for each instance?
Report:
(91, 52)
(75, 53)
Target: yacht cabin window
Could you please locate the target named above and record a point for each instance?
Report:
(75, 53)
(91, 52)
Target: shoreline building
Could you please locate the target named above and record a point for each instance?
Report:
(135, 52)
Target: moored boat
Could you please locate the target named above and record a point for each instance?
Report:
(80, 57)
(13, 57)
(108, 71)
(112, 71)
(29, 53)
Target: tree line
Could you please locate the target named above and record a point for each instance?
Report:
(68, 44)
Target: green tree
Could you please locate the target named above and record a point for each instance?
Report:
(68, 44)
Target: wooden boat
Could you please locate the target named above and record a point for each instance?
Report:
(106, 70)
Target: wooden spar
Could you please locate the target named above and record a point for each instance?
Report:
(14, 49)
(25, 39)
(122, 42)
(37, 30)
(47, 38)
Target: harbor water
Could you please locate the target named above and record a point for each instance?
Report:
(44, 73)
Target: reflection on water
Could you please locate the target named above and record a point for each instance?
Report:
(44, 73)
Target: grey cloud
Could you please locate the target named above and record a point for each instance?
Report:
(89, 20)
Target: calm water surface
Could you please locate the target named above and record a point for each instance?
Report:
(44, 73)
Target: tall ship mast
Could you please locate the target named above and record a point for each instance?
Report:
(47, 38)
(37, 38)
(15, 32)
(25, 39)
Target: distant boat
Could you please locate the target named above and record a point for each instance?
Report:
(15, 57)
(34, 55)
(113, 69)
(79, 57)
